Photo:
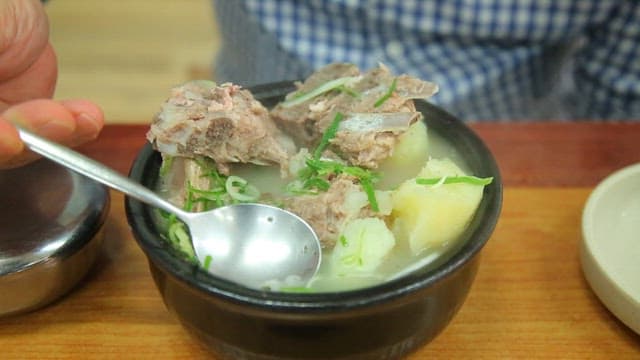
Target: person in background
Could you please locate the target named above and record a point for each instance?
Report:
(492, 59)
(28, 72)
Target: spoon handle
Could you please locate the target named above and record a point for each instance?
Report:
(94, 170)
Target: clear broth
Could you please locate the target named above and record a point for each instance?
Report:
(400, 259)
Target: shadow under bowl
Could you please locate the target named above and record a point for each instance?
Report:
(380, 322)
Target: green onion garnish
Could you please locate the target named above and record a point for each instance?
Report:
(473, 180)
(349, 259)
(352, 259)
(329, 134)
(317, 183)
(349, 91)
(239, 189)
(313, 176)
(167, 162)
(207, 262)
(178, 235)
(213, 194)
(387, 95)
(189, 201)
(343, 241)
(296, 289)
(297, 99)
(367, 186)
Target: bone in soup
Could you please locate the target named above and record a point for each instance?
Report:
(347, 151)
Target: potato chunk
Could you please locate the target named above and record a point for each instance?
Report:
(430, 216)
(411, 149)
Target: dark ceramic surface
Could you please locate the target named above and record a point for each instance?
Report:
(385, 321)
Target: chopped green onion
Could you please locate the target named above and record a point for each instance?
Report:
(312, 177)
(387, 95)
(317, 183)
(310, 186)
(329, 134)
(349, 91)
(239, 189)
(216, 195)
(205, 197)
(215, 177)
(188, 203)
(352, 259)
(473, 180)
(328, 86)
(167, 216)
(296, 289)
(298, 94)
(367, 186)
(178, 235)
(324, 167)
(327, 167)
(167, 162)
(213, 194)
(343, 241)
(361, 173)
(177, 232)
(207, 262)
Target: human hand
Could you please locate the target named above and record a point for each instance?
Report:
(28, 73)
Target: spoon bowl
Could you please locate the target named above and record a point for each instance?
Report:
(251, 244)
(275, 246)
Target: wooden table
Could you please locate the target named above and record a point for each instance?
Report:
(530, 299)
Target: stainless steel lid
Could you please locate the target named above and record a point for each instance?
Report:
(50, 221)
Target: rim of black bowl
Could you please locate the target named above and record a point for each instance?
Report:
(478, 158)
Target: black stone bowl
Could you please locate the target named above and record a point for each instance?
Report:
(381, 322)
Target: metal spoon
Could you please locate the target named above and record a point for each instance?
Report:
(251, 244)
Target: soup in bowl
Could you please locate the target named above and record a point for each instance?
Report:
(380, 301)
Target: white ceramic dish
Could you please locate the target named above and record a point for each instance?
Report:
(610, 252)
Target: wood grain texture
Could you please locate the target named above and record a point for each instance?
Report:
(530, 299)
(560, 153)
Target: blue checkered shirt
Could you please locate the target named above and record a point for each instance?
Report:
(492, 59)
